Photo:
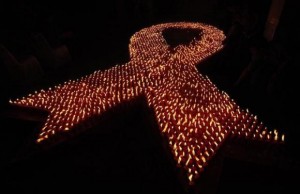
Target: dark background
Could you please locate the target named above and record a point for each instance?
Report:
(128, 154)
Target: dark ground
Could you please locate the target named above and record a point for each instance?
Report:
(124, 152)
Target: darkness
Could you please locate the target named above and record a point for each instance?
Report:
(175, 37)
(125, 151)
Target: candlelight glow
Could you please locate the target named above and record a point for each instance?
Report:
(192, 113)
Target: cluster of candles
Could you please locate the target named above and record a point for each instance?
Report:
(192, 113)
